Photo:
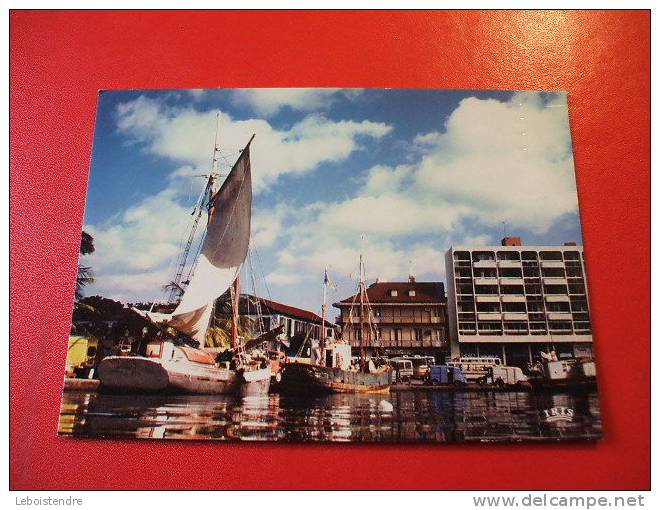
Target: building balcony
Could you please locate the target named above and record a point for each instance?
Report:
(552, 263)
(511, 281)
(489, 316)
(554, 281)
(491, 298)
(515, 331)
(484, 264)
(398, 320)
(513, 298)
(481, 280)
(509, 263)
(515, 316)
(557, 298)
(558, 331)
(560, 316)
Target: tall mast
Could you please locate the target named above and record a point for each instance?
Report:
(206, 196)
(323, 310)
(236, 297)
(363, 354)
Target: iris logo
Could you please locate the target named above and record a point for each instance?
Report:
(555, 414)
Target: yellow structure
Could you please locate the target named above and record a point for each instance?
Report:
(81, 353)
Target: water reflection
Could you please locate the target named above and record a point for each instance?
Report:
(431, 416)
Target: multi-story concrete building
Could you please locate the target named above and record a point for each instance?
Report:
(409, 317)
(513, 301)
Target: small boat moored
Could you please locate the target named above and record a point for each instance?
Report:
(169, 368)
(332, 368)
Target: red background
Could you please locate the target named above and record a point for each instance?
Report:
(60, 59)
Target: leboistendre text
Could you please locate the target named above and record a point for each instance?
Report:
(27, 501)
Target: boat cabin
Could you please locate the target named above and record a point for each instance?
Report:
(334, 356)
(167, 351)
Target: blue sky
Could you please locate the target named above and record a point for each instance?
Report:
(399, 175)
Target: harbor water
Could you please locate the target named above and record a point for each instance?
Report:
(405, 416)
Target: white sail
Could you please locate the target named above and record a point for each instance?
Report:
(223, 252)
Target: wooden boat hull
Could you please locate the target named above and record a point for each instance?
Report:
(72, 384)
(306, 378)
(136, 374)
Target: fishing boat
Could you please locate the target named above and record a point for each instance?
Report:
(554, 373)
(331, 368)
(175, 360)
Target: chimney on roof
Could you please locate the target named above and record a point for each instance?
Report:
(411, 279)
(511, 241)
(570, 243)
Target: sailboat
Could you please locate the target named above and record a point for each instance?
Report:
(177, 362)
(331, 368)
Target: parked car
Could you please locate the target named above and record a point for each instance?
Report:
(445, 374)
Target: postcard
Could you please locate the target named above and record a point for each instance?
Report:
(335, 265)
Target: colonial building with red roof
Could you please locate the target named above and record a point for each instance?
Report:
(407, 317)
(296, 321)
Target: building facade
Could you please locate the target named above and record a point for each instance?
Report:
(407, 317)
(297, 322)
(513, 301)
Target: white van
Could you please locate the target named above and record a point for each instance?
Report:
(402, 369)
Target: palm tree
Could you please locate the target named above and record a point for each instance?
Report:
(85, 274)
(86, 244)
(219, 334)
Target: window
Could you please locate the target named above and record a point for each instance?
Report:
(411, 292)
(397, 336)
(551, 255)
(480, 256)
(394, 293)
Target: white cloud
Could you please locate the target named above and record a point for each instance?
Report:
(267, 225)
(475, 240)
(387, 215)
(495, 161)
(196, 94)
(382, 179)
(137, 249)
(283, 278)
(269, 101)
(186, 136)
(504, 161)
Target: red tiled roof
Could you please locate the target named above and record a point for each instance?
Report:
(292, 311)
(425, 292)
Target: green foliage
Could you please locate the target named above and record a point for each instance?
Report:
(85, 274)
(219, 334)
(86, 244)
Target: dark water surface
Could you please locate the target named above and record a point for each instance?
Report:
(430, 416)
